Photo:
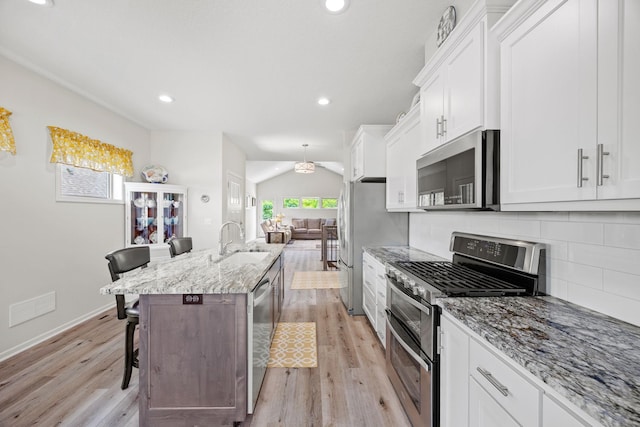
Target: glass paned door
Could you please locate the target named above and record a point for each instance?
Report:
(173, 215)
(144, 218)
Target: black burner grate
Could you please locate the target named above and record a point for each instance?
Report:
(455, 279)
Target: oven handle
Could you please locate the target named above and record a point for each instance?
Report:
(406, 348)
(411, 301)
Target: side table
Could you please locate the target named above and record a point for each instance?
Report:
(275, 237)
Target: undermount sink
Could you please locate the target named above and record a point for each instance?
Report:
(245, 257)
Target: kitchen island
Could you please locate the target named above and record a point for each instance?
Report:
(195, 355)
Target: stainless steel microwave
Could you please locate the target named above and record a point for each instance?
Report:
(461, 174)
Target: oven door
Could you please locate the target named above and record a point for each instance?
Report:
(413, 376)
(417, 319)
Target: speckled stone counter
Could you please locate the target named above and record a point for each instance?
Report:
(386, 254)
(591, 359)
(198, 272)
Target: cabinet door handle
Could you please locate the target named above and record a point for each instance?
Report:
(438, 124)
(494, 382)
(444, 125)
(581, 157)
(600, 164)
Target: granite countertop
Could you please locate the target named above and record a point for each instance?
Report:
(198, 272)
(386, 254)
(591, 359)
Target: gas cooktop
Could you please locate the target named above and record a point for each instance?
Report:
(453, 279)
(481, 266)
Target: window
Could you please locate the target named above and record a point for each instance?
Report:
(74, 184)
(267, 209)
(310, 202)
(330, 203)
(291, 202)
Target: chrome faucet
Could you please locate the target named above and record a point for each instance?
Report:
(223, 246)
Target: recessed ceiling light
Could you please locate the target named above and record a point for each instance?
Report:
(42, 2)
(336, 6)
(165, 98)
(324, 101)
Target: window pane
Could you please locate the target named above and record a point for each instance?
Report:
(267, 209)
(118, 187)
(81, 182)
(310, 202)
(291, 202)
(329, 203)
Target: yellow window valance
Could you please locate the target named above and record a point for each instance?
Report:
(7, 143)
(74, 149)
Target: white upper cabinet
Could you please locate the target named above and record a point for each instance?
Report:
(459, 86)
(568, 98)
(619, 99)
(403, 148)
(368, 153)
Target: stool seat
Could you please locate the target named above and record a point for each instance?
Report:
(133, 310)
(122, 261)
(180, 245)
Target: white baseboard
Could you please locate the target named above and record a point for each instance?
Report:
(49, 334)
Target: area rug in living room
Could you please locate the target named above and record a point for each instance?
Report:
(315, 280)
(294, 346)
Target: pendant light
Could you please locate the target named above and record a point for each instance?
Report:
(305, 167)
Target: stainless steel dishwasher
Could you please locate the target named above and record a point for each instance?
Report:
(260, 330)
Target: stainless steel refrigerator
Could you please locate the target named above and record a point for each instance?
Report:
(363, 220)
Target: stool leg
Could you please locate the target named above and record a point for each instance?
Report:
(128, 354)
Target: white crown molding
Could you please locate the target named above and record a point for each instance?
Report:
(478, 12)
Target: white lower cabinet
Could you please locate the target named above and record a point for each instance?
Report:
(374, 294)
(454, 375)
(481, 387)
(518, 397)
(484, 411)
(555, 415)
(368, 298)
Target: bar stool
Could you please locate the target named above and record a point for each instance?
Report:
(121, 261)
(180, 245)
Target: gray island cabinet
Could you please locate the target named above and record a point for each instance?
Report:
(195, 359)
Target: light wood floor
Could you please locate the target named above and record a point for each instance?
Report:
(74, 378)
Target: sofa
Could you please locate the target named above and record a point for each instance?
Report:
(273, 234)
(309, 228)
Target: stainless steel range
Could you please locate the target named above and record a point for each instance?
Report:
(481, 266)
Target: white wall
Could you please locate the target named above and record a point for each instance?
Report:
(251, 213)
(233, 168)
(322, 183)
(49, 246)
(593, 258)
(194, 160)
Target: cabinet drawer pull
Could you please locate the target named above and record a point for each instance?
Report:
(502, 389)
(581, 157)
(600, 165)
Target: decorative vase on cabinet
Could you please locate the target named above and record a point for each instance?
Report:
(154, 213)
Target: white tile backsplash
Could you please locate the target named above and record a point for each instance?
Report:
(622, 235)
(607, 257)
(593, 258)
(584, 232)
(622, 284)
